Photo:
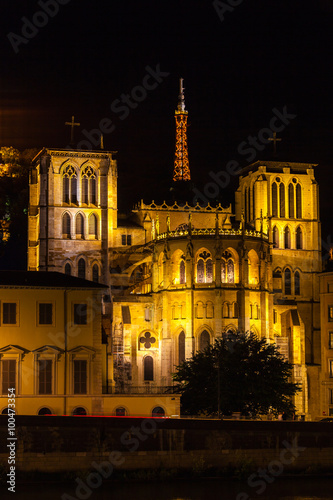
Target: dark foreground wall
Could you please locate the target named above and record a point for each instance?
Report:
(54, 443)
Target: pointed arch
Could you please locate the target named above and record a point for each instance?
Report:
(282, 200)
(88, 185)
(230, 271)
(276, 237)
(274, 200)
(81, 268)
(182, 275)
(297, 278)
(200, 271)
(287, 237)
(299, 238)
(93, 225)
(68, 269)
(204, 340)
(95, 273)
(253, 263)
(298, 201)
(287, 281)
(79, 226)
(291, 201)
(69, 183)
(181, 347)
(66, 225)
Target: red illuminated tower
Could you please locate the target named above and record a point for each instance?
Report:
(181, 170)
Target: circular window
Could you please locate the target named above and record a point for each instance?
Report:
(45, 411)
(278, 179)
(79, 410)
(294, 180)
(158, 412)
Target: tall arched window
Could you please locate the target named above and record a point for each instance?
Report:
(182, 277)
(68, 269)
(223, 271)
(299, 239)
(200, 271)
(148, 369)
(253, 202)
(297, 283)
(95, 273)
(287, 282)
(88, 186)
(246, 204)
(282, 200)
(204, 268)
(204, 340)
(209, 271)
(93, 225)
(287, 242)
(230, 271)
(275, 237)
(69, 185)
(81, 269)
(274, 200)
(66, 226)
(79, 226)
(291, 201)
(181, 348)
(298, 201)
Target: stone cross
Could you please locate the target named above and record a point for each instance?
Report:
(72, 125)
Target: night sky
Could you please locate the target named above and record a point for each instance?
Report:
(238, 63)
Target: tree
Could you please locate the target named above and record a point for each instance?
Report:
(238, 373)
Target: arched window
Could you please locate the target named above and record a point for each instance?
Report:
(158, 412)
(200, 271)
(95, 273)
(181, 348)
(79, 410)
(88, 186)
(298, 201)
(81, 269)
(275, 237)
(93, 225)
(223, 273)
(204, 268)
(282, 200)
(182, 277)
(287, 243)
(68, 269)
(209, 271)
(204, 340)
(253, 202)
(287, 282)
(299, 239)
(297, 283)
(230, 271)
(274, 200)
(291, 201)
(66, 226)
(79, 226)
(148, 368)
(225, 310)
(120, 411)
(245, 204)
(69, 185)
(248, 204)
(235, 310)
(44, 411)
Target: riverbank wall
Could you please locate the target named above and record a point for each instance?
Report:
(69, 444)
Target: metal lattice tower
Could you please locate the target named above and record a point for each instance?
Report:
(181, 170)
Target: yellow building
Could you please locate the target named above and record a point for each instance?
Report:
(326, 315)
(53, 350)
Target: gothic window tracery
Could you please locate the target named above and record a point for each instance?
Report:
(204, 268)
(88, 186)
(69, 185)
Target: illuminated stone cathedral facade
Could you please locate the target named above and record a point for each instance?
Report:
(181, 275)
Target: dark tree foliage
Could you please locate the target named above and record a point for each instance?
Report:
(14, 193)
(252, 375)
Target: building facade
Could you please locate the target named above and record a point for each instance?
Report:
(183, 275)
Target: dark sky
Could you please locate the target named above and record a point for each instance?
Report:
(264, 54)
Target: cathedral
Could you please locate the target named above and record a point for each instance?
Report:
(181, 275)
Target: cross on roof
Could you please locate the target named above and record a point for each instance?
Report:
(72, 124)
(275, 140)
